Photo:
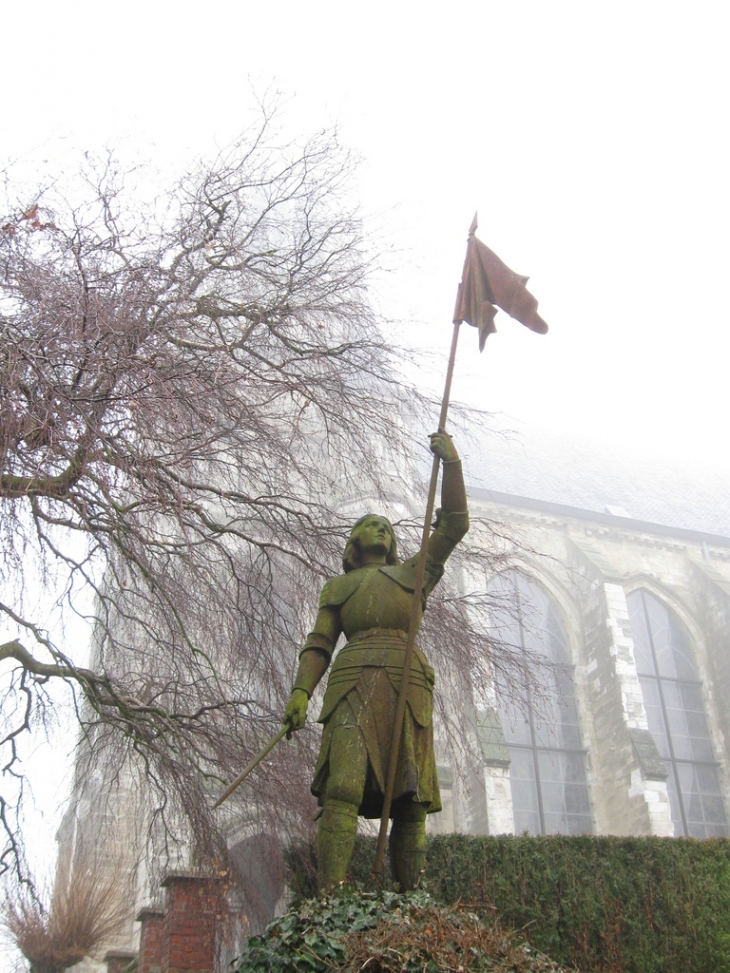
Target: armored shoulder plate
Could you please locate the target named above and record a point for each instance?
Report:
(338, 589)
(403, 574)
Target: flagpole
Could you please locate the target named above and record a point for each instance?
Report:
(485, 282)
(414, 621)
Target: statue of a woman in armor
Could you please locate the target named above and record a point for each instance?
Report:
(370, 603)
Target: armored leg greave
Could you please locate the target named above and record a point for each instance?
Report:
(408, 848)
(335, 842)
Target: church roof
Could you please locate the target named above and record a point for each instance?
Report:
(580, 474)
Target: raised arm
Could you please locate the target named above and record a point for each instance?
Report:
(452, 521)
(453, 493)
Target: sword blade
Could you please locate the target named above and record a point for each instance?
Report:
(254, 763)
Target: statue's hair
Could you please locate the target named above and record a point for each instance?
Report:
(352, 555)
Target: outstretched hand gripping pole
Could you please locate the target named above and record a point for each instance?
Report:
(414, 621)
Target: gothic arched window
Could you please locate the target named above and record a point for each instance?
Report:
(675, 713)
(538, 712)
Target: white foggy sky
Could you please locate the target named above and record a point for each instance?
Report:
(590, 136)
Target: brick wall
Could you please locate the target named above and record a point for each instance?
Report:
(150, 940)
(181, 937)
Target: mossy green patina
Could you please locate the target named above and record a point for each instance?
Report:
(370, 604)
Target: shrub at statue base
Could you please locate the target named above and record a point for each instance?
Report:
(383, 932)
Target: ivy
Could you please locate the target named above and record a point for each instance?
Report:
(310, 936)
(353, 931)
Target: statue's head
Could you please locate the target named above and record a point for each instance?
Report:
(352, 558)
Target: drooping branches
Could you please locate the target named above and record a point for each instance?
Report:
(193, 394)
(188, 392)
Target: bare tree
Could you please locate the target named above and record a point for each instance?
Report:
(186, 392)
(189, 392)
(82, 914)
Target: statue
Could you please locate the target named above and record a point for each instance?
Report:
(370, 603)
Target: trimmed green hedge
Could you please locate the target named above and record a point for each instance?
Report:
(615, 905)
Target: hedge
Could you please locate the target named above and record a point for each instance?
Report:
(608, 904)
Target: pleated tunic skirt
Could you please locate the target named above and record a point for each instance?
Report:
(362, 694)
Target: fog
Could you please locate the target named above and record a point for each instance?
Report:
(590, 138)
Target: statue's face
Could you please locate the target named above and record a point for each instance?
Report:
(373, 535)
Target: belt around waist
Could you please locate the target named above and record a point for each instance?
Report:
(371, 633)
(380, 652)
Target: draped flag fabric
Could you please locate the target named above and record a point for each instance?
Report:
(485, 282)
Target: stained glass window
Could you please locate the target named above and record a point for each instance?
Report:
(675, 712)
(539, 712)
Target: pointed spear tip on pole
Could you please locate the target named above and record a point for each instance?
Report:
(474, 225)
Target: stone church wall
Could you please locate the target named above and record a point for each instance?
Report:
(589, 564)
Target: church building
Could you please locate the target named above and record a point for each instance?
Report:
(624, 587)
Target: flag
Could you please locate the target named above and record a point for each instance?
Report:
(486, 282)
